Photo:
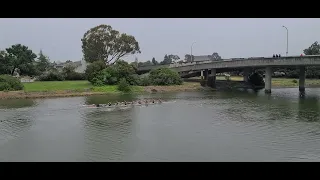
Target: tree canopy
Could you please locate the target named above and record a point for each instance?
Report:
(187, 57)
(173, 57)
(314, 49)
(215, 56)
(168, 59)
(43, 62)
(106, 44)
(19, 56)
(4, 68)
(154, 61)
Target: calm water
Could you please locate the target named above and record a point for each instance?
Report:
(198, 126)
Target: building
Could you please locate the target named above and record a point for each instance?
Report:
(214, 57)
(201, 58)
(80, 66)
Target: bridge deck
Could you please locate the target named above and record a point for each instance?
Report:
(242, 63)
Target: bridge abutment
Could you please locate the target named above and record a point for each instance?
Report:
(268, 78)
(302, 78)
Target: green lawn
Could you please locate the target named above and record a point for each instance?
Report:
(40, 86)
(43, 86)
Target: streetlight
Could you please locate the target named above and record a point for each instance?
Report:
(287, 39)
(191, 52)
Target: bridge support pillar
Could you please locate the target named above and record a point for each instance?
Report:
(246, 73)
(214, 76)
(206, 74)
(268, 77)
(201, 76)
(211, 81)
(302, 78)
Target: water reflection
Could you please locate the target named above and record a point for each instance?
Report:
(105, 133)
(191, 126)
(14, 122)
(104, 99)
(309, 109)
(17, 103)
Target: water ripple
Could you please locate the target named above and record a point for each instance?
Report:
(197, 126)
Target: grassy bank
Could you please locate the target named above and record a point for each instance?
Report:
(71, 86)
(84, 88)
(44, 86)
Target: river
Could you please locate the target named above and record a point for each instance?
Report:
(189, 126)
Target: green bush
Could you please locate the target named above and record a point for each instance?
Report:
(51, 76)
(4, 86)
(144, 81)
(123, 85)
(109, 76)
(93, 69)
(112, 74)
(97, 82)
(294, 81)
(164, 76)
(124, 70)
(75, 76)
(134, 79)
(10, 83)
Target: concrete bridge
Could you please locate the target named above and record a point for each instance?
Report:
(210, 68)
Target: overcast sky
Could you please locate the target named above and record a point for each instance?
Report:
(60, 39)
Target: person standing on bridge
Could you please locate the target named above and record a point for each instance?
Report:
(274, 56)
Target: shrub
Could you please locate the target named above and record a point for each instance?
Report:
(112, 74)
(109, 76)
(70, 74)
(124, 85)
(94, 68)
(124, 70)
(10, 83)
(4, 86)
(133, 79)
(51, 76)
(97, 82)
(164, 76)
(294, 81)
(75, 76)
(144, 81)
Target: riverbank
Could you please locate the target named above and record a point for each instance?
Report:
(84, 88)
(280, 82)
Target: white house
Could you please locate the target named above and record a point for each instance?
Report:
(80, 66)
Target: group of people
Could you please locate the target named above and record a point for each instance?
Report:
(277, 55)
(125, 103)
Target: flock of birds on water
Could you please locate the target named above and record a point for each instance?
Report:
(145, 102)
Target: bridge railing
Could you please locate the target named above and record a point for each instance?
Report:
(177, 65)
